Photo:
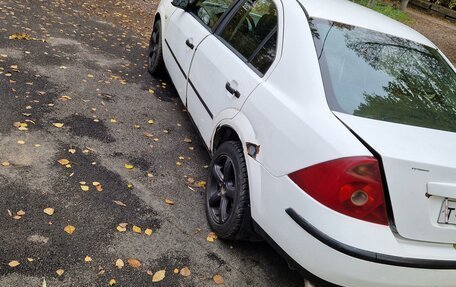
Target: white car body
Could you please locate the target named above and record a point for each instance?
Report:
(285, 113)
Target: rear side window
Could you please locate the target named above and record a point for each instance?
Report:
(210, 11)
(252, 33)
(383, 77)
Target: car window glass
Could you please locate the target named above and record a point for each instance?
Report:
(210, 11)
(384, 77)
(251, 25)
(263, 60)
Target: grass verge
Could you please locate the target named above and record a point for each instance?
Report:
(387, 9)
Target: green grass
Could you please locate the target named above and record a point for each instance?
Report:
(388, 10)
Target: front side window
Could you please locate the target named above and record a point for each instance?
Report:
(252, 32)
(210, 11)
(383, 77)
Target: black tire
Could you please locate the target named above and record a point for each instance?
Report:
(155, 63)
(227, 194)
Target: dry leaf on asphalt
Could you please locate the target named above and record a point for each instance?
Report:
(218, 279)
(211, 237)
(169, 202)
(119, 263)
(69, 229)
(88, 259)
(60, 272)
(135, 263)
(159, 276)
(136, 229)
(49, 211)
(119, 203)
(148, 231)
(63, 161)
(85, 187)
(185, 272)
(14, 263)
(112, 282)
(129, 166)
(5, 163)
(58, 125)
(20, 213)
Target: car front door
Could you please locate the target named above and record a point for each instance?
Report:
(184, 32)
(229, 64)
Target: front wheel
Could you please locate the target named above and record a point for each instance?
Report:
(227, 193)
(156, 65)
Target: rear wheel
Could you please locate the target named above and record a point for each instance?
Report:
(156, 65)
(227, 193)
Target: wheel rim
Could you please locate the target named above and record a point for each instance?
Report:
(222, 189)
(153, 44)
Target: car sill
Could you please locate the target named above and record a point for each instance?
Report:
(368, 255)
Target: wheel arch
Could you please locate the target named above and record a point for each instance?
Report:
(237, 128)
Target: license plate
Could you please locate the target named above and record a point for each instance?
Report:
(447, 212)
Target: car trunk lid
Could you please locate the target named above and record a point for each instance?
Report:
(420, 171)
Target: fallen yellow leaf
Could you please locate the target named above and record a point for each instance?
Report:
(135, 263)
(95, 183)
(169, 201)
(136, 229)
(72, 151)
(5, 163)
(58, 125)
(150, 122)
(69, 229)
(88, 259)
(148, 231)
(49, 211)
(185, 272)
(218, 279)
(129, 166)
(121, 228)
(211, 237)
(63, 161)
(29, 259)
(119, 263)
(60, 272)
(159, 276)
(112, 282)
(176, 270)
(21, 142)
(85, 187)
(14, 263)
(20, 213)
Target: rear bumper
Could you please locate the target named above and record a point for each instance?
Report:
(369, 255)
(343, 251)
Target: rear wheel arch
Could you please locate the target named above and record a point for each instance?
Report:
(223, 134)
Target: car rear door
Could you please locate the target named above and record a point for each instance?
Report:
(232, 62)
(184, 32)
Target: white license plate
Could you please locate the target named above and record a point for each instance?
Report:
(447, 212)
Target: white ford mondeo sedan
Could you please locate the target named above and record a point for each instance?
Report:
(332, 131)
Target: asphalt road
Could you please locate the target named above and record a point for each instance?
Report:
(89, 74)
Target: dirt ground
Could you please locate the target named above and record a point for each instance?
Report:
(441, 32)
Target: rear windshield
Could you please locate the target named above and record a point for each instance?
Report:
(379, 76)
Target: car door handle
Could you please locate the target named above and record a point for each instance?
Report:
(232, 91)
(189, 44)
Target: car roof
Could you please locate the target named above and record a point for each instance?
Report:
(347, 12)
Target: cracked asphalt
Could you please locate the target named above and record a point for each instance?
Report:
(80, 66)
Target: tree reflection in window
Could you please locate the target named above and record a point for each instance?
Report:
(383, 77)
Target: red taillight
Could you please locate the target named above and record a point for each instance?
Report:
(351, 186)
